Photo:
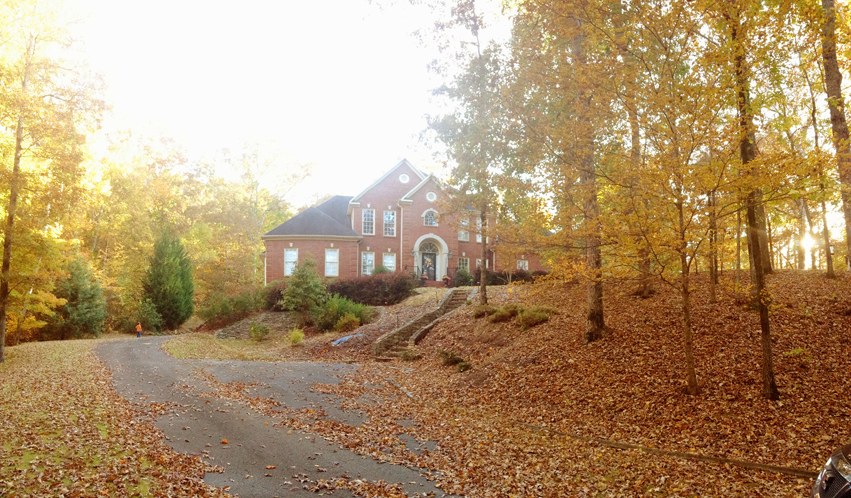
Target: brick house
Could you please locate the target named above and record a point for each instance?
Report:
(396, 222)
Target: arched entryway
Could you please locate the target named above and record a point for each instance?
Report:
(431, 256)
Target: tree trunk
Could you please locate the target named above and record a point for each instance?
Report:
(827, 256)
(747, 150)
(762, 231)
(771, 253)
(594, 323)
(713, 258)
(483, 272)
(644, 289)
(738, 253)
(836, 104)
(5, 269)
(800, 253)
(686, 296)
(814, 236)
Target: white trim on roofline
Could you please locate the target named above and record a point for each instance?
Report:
(354, 200)
(310, 237)
(407, 197)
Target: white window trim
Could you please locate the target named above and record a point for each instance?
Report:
(362, 267)
(435, 217)
(466, 265)
(479, 228)
(523, 264)
(295, 263)
(385, 226)
(464, 232)
(363, 222)
(337, 273)
(383, 261)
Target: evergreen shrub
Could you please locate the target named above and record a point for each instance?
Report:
(84, 311)
(375, 290)
(463, 278)
(168, 282)
(305, 291)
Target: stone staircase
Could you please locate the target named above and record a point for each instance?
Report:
(390, 345)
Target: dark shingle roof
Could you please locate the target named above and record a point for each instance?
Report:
(337, 207)
(329, 218)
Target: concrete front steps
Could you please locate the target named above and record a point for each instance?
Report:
(391, 345)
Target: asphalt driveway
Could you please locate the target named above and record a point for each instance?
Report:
(143, 373)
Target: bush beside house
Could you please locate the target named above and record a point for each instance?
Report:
(375, 290)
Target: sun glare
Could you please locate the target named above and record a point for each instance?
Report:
(808, 242)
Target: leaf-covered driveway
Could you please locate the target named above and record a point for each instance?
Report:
(197, 408)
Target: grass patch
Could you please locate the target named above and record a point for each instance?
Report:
(449, 358)
(410, 355)
(295, 337)
(423, 295)
(522, 316)
(483, 310)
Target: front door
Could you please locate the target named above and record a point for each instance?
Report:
(429, 262)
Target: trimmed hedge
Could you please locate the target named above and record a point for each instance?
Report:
(375, 290)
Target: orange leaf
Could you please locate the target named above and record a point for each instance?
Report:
(271, 467)
(224, 441)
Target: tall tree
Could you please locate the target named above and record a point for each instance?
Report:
(84, 310)
(49, 98)
(838, 123)
(168, 282)
(472, 135)
(747, 151)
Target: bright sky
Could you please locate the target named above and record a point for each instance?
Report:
(341, 84)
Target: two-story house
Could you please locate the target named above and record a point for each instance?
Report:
(395, 222)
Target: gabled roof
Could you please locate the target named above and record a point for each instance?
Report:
(409, 196)
(327, 219)
(403, 162)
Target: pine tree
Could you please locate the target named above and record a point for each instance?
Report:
(168, 282)
(85, 308)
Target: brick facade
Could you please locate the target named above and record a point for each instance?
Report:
(413, 226)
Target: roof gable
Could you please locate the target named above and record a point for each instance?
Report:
(402, 163)
(408, 197)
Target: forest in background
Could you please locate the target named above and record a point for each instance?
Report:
(82, 208)
(634, 141)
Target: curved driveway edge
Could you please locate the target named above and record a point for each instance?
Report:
(143, 373)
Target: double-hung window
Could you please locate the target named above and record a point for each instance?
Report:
(464, 264)
(290, 260)
(389, 223)
(523, 264)
(332, 262)
(369, 222)
(389, 262)
(479, 228)
(367, 262)
(463, 233)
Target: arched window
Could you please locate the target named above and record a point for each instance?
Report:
(430, 218)
(429, 247)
